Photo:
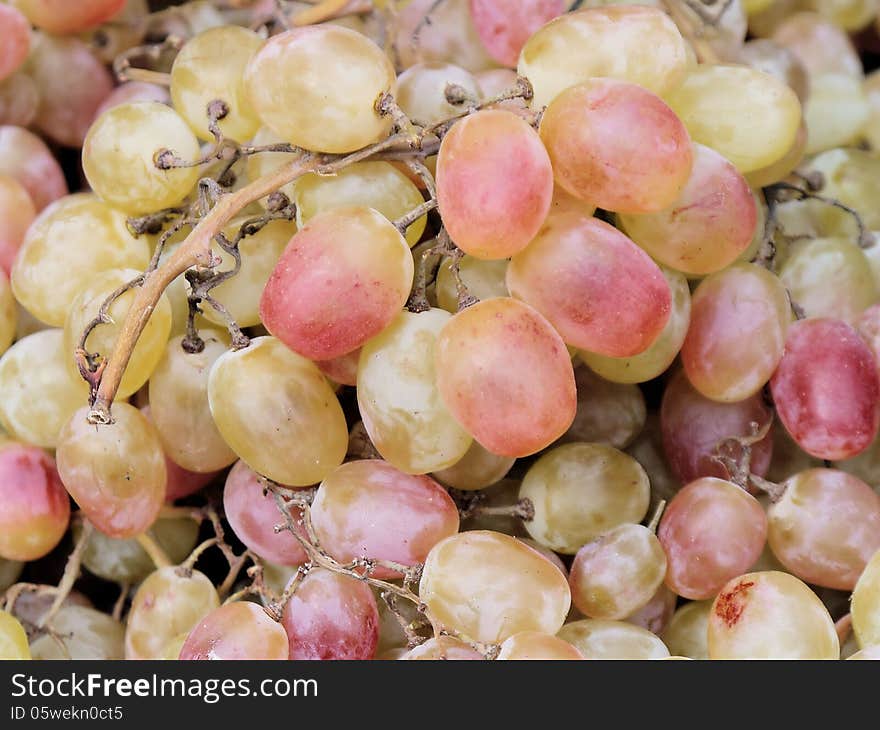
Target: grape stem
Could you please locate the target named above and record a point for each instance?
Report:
(125, 71)
(154, 550)
(71, 573)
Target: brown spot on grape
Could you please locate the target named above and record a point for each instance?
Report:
(731, 603)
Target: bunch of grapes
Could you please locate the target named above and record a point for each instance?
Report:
(439, 329)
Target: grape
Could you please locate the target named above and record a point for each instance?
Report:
(871, 652)
(10, 570)
(483, 279)
(506, 376)
(849, 15)
(240, 630)
(265, 163)
(19, 99)
(125, 561)
(641, 172)
(711, 532)
(826, 389)
(770, 615)
(8, 314)
(317, 87)
(132, 91)
(494, 183)
(182, 483)
(694, 429)
(749, 117)
(81, 632)
(632, 43)
(687, 633)
(494, 82)
(835, 113)
(490, 586)
(505, 27)
(39, 393)
(659, 355)
(13, 640)
(580, 491)
(72, 84)
(25, 157)
(343, 369)
(547, 553)
(866, 604)
(742, 309)
(775, 59)
(120, 151)
(656, 614)
(115, 472)
(377, 185)
(868, 326)
(442, 647)
(331, 617)
(62, 16)
(421, 91)
(127, 29)
(603, 639)
(534, 645)
(825, 527)
(477, 469)
(850, 176)
(501, 494)
(102, 339)
(708, 226)
(169, 602)
(341, 280)
(210, 67)
(369, 509)
(17, 212)
(617, 573)
(179, 405)
(15, 40)
(871, 86)
(277, 412)
(821, 46)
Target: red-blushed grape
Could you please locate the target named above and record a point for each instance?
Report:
(694, 428)
(708, 226)
(34, 508)
(13, 640)
(369, 509)
(603, 639)
(341, 280)
(331, 617)
(826, 389)
(866, 604)
(182, 483)
(477, 469)
(483, 279)
(81, 632)
(494, 183)
(825, 527)
(115, 472)
(711, 531)
(169, 602)
(253, 516)
(743, 309)
(656, 614)
(617, 573)
(19, 98)
(15, 40)
(72, 84)
(770, 615)
(330, 111)
(443, 648)
(687, 632)
(17, 212)
(342, 369)
(643, 171)
(240, 630)
(505, 375)
(580, 491)
(820, 45)
(62, 16)
(490, 586)
(565, 273)
(531, 645)
(132, 91)
(504, 26)
(25, 157)
(421, 91)
(277, 412)
(632, 43)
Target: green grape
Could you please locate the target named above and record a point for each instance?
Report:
(865, 607)
(82, 633)
(687, 633)
(9, 572)
(836, 112)
(477, 469)
(483, 279)
(850, 176)
(603, 639)
(13, 640)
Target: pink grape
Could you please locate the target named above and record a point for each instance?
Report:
(506, 377)
(25, 157)
(239, 630)
(826, 389)
(566, 273)
(504, 26)
(494, 183)
(15, 40)
(341, 280)
(369, 509)
(253, 516)
(19, 99)
(331, 617)
(711, 531)
(693, 426)
(183, 482)
(640, 171)
(342, 369)
(17, 212)
(34, 506)
(132, 91)
(60, 17)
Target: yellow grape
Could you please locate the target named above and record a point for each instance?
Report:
(264, 163)
(820, 45)
(17, 212)
(631, 43)
(377, 185)
(398, 397)
(581, 490)
(73, 239)
(835, 113)
(603, 639)
(849, 176)
(61, 18)
(13, 640)
(442, 648)
(533, 645)
(317, 88)
(775, 59)
(871, 129)
(870, 652)
(102, 339)
(749, 117)
(421, 91)
(865, 605)
(483, 279)
(236, 630)
(8, 314)
(277, 412)
(687, 632)
(477, 469)
(850, 15)
(490, 586)
(179, 405)
(81, 632)
(211, 67)
(779, 170)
